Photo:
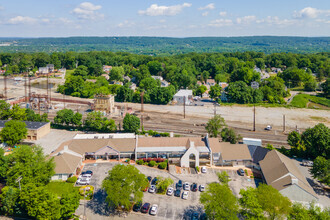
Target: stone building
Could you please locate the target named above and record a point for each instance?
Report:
(104, 103)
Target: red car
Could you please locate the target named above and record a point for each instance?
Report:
(145, 208)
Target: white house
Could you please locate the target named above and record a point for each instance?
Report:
(183, 95)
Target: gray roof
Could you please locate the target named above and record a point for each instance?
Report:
(257, 153)
(31, 125)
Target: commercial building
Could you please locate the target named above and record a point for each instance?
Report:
(183, 95)
(36, 130)
(280, 172)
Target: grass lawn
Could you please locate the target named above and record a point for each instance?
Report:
(301, 101)
(61, 188)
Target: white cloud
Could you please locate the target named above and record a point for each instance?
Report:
(162, 21)
(155, 10)
(205, 14)
(246, 19)
(87, 10)
(22, 20)
(210, 6)
(223, 13)
(310, 12)
(274, 20)
(221, 23)
(125, 24)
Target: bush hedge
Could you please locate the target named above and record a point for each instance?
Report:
(152, 163)
(158, 160)
(72, 179)
(140, 162)
(162, 165)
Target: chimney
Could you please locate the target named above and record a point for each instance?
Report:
(294, 181)
(192, 144)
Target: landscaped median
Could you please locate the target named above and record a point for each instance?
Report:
(153, 162)
(61, 188)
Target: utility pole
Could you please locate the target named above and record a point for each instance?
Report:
(25, 91)
(142, 94)
(283, 123)
(5, 85)
(254, 117)
(184, 107)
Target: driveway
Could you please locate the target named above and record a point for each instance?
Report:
(170, 207)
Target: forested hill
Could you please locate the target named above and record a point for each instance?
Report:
(167, 46)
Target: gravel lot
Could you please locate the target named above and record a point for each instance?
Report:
(170, 207)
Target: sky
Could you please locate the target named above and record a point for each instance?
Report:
(171, 18)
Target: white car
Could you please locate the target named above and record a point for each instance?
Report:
(88, 175)
(152, 189)
(185, 195)
(201, 188)
(170, 191)
(154, 209)
(186, 186)
(83, 181)
(203, 170)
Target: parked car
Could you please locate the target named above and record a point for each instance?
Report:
(195, 216)
(185, 195)
(307, 163)
(149, 178)
(153, 209)
(203, 170)
(179, 184)
(170, 191)
(137, 206)
(83, 181)
(201, 188)
(186, 186)
(152, 189)
(86, 175)
(177, 193)
(154, 181)
(268, 128)
(194, 187)
(240, 172)
(88, 172)
(145, 208)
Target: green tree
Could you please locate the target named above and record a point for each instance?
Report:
(163, 184)
(31, 164)
(223, 177)
(64, 116)
(239, 92)
(117, 73)
(321, 169)
(215, 91)
(9, 198)
(200, 90)
(81, 71)
(4, 110)
(325, 88)
(124, 185)
(95, 121)
(155, 67)
(214, 125)
(317, 141)
(272, 201)
(220, 78)
(294, 138)
(149, 83)
(18, 113)
(13, 132)
(39, 203)
(310, 85)
(250, 206)
(299, 212)
(204, 76)
(131, 123)
(219, 202)
(69, 203)
(77, 119)
(3, 164)
(229, 135)
(124, 94)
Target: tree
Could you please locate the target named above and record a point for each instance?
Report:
(310, 85)
(220, 78)
(272, 201)
(64, 116)
(4, 110)
(149, 83)
(200, 90)
(219, 202)
(124, 185)
(294, 138)
(18, 113)
(215, 91)
(239, 92)
(223, 177)
(13, 132)
(204, 76)
(124, 94)
(81, 71)
(77, 119)
(325, 88)
(131, 123)
(95, 121)
(155, 67)
(229, 135)
(117, 73)
(317, 141)
(250, 206)
(299, 212)
(69, 203)
(32, 116)
(39, 203)
(9, 198)
(321, 169)
(214, 125)
(3, 164)
(163, 184)
(31, 164)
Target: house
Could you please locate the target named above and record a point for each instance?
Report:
(183, 96)
(157, 78)
(210, 82)
(50, 67)
(258, 153)
(132, 86)
(106, 76)
(223, 85)
(127, 78)
(43, 70)
(106, 68)
(36, 130)
(280, 172)
(255, 85)
(164, 83)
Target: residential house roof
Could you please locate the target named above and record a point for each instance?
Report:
(280, 172)
(66, 163)
(257, 153)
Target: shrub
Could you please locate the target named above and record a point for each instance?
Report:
(246, 173)
(152, 163)
(88, 189)
(145, 163)
(197, 168)
(140, 162)
(72, 179)
(127, 160)
(162, 165)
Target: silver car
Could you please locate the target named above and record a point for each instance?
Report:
(185, 195)
(152, 189)
(170, 191)
(154, 209)
(83, 181)
(201, 188)
(186, 186)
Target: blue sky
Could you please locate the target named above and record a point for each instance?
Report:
(172, 18)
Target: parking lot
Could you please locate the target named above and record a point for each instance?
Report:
(169, 207)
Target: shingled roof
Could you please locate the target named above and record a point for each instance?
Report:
(31, 125)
